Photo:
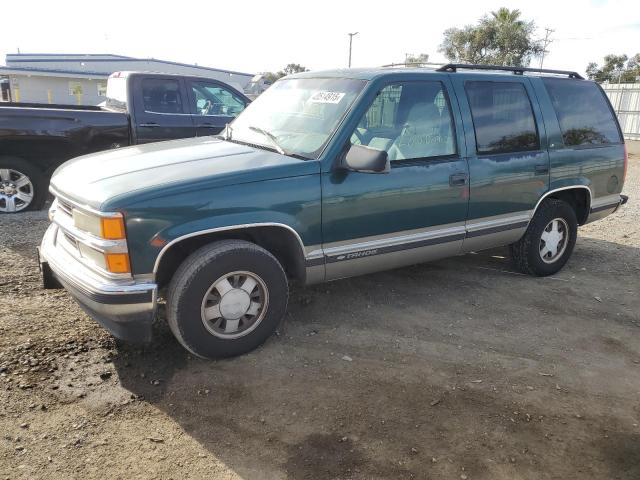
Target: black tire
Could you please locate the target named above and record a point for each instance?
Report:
(526, 253)
(36, 177)
(195, 277)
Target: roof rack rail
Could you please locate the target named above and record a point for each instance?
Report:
(453, 67)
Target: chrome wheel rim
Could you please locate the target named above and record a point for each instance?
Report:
(234, 305)
(16, 190)
(554, 239)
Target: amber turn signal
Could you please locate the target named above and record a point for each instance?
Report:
(118, 262)
(112, 228)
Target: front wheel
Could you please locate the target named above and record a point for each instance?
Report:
(22, 186)
(226, 299)
(549, 240)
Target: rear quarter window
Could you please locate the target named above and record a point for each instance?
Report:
(583, 112)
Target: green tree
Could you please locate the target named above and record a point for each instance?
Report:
(288, 70)
(292, 68)
(500, 38)
(616, 68)
(420, 58)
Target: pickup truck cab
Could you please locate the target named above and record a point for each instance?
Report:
(140, 108)
(329, 175)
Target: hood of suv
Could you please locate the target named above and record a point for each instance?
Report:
(93, 179)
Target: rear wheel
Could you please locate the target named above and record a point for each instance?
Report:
(22, 186)
(226, 299)
(549, 240)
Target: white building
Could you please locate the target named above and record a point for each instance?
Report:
(81, 79)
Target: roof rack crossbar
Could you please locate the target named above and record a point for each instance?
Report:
(453, 67)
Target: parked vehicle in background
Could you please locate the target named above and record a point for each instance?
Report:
(140, 108)
(329, 175)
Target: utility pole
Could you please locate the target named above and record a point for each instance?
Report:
(351, 35)
(547, 42)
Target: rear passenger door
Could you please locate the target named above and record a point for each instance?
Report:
(508, 159)
(585, 142)
(161, 111)
(416, 211)
(213, 105)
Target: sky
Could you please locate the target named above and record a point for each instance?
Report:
(255, 36)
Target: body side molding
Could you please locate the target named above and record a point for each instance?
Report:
(319, 256)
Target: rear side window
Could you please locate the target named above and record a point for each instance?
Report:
(583, 112)
(502, 117)
(161, 96)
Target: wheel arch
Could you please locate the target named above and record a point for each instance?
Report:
(578, 196)
(45, 154)
(279, 239)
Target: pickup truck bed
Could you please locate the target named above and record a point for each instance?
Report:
(49, 134)
(141, 107)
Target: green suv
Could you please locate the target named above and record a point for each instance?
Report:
(329, 175)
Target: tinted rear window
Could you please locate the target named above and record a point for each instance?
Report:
(502, 117)
(583, 112)
(161, 96)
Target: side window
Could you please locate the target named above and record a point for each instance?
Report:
(212, 99)
(502, 117)
(409, 120)
(161, 96)
(583, 112)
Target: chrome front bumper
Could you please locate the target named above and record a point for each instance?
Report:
(125, 308)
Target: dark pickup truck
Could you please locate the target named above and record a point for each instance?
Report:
(140, 108)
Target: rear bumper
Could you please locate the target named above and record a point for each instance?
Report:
(127, 310)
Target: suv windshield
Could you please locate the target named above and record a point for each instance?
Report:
(296, 116)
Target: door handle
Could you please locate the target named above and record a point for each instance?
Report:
(458, 179)
(150, 124)
(542, 169)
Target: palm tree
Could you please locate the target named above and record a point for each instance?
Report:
(504, 16)
(512, 37)
(501, 38)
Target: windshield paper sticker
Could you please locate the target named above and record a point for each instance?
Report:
(326, 97)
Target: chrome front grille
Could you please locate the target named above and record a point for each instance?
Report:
(65, 207)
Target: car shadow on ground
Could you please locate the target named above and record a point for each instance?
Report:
(370, 378)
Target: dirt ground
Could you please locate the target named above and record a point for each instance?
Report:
(458, 369)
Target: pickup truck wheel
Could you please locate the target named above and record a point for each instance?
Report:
(22, 186)
(226, 299)
(549, 240)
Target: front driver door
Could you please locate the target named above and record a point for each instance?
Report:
(416, 211)
(213, 106)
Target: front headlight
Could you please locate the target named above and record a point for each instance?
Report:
(105, 227)
(108, 228)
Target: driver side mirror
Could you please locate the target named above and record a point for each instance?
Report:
(360, 158)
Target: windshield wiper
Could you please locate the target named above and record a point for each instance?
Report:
(272, 138)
